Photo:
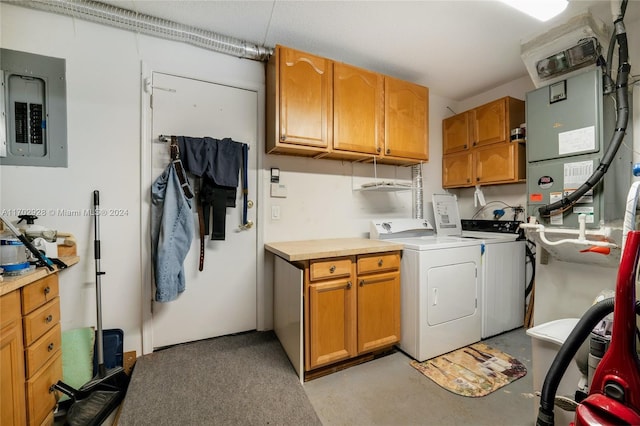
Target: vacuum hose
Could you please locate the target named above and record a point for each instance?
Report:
(565, 355)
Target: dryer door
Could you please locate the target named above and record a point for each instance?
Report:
(451, 292)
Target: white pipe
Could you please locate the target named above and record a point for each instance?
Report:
(604, 232)
(140, 23)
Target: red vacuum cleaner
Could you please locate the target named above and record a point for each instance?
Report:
(614, 395)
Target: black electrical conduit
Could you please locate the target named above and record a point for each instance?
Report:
(622, 97)
(565, 355)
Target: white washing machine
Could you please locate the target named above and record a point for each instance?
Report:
(441, 287)
(503, 274)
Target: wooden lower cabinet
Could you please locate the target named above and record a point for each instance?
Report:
(354, 314)
(31, 354)
(332, 323)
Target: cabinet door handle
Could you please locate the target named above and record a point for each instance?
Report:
(380, 263)
(47, 290)
(48, 319)
(349, 285)
(477, 179)
(475, 143)
(388, 151)
(361, 283)
(465, 146)
(468, 180)
(378, 149)
(332, 269)
(50, 347)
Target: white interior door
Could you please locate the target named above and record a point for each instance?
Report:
(222, 298)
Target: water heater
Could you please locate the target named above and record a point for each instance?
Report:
(569, 126)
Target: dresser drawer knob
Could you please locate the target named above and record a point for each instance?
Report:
(50, 347)
(380, 262)
(332, 269)
(48, 319)
(47, 290)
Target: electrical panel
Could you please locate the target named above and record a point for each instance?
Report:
(569, 127)
(33, 131)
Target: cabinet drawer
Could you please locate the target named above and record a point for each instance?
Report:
(41, 399)
(39, 293)
(378, 262)
(43, 349)
(9, 308)
(330, 268)
(40, 321)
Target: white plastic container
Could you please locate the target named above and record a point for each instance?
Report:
(546, 340)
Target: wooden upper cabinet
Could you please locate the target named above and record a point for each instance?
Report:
(457, 170)
(324, 109)
(477, 148)
(500, 163)
(406, 120)
(299, 109)
(457, 133)
(492, 122)
(358, 109)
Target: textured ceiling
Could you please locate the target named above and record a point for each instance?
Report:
(456, 48)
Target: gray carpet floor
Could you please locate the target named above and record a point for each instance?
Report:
(244, 379)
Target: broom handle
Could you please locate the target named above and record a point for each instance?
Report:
(99, 273)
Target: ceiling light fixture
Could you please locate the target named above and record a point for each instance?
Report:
(542, 10)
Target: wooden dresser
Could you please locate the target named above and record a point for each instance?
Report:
(30, 347)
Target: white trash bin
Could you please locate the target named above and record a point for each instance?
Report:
(546, 340)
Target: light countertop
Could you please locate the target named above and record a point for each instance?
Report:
(8, 284)
(293, 251)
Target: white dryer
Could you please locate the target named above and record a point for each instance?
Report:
(441, 287)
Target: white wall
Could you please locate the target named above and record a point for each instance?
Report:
(103, 67)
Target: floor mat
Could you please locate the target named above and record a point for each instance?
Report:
(474, 371)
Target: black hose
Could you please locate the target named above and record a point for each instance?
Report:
(565, 355)
(532, 260)
(622, 97)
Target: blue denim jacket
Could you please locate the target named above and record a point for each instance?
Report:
(172, 230)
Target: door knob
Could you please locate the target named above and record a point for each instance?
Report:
(247, 225)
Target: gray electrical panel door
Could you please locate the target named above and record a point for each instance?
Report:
(34, 125)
